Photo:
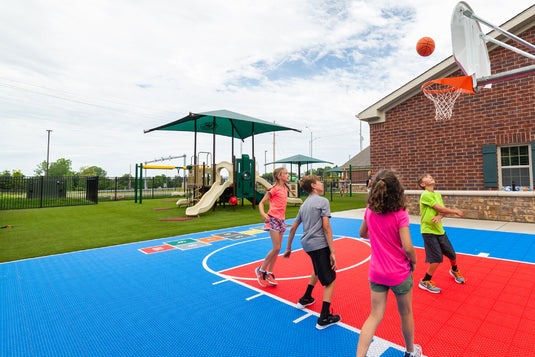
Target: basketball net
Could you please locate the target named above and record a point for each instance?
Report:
(444, 92)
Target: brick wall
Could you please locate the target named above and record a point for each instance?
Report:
(485, 205)
(412, 143)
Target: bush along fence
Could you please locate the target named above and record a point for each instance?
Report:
(41, 191)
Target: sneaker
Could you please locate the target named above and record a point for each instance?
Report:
(457, 276)
(327, 321)
(417, 352)
(304, 302)
(261, 277)
(429, 286)
(270, 278)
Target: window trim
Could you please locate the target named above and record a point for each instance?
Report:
(529, 165)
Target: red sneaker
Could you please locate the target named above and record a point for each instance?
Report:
(270, 278)
(261, 277)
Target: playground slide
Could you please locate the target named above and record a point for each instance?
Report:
(218, 187)
(266, 184)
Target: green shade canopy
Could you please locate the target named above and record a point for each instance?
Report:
(227, 123)
(335, 169)
(299, 160)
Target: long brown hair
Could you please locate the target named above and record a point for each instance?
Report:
(386, 193)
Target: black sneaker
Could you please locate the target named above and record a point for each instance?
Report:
(327, 321)
(305, 301)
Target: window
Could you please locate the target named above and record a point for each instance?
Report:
(515, 166)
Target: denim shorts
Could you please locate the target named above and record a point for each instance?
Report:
(400, 289)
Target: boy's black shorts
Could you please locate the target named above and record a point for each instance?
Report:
(321, 260)
(436, 246)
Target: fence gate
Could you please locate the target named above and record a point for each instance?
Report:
(92, 189)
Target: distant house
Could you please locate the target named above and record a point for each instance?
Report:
(359, 166)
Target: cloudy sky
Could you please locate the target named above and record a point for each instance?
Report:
(97, 73)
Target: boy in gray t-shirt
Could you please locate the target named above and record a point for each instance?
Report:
(317, 241)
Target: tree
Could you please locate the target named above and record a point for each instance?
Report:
(62, 167)
(92, 171)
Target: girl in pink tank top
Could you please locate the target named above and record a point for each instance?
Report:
(274, 220)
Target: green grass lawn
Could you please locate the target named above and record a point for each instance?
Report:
(47, 231)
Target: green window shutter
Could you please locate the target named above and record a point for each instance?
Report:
(490, 166)
(533, 161)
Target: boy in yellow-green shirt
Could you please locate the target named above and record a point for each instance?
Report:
(436, 242)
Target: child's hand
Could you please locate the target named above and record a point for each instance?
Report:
(287, 253)
(265, 217)
(333, 261)
(459, 213)
(413, 266)
(437, 218)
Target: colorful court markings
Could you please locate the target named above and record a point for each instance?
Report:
(233, 235)
(210, 239)
(252, 231)
(491, 314)
(186, 244)
(156, 249)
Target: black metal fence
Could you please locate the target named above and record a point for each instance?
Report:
(39, 192)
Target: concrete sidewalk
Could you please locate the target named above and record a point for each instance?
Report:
(528, 228)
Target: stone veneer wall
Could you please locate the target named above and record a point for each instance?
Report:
(484, 205)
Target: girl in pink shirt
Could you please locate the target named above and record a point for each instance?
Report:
(274, 220)
(393, 258)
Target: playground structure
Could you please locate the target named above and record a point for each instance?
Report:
(240, 184)
(242, 174)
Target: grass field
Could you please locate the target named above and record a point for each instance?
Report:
(47, 231)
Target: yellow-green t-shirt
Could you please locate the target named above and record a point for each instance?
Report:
(427, 200)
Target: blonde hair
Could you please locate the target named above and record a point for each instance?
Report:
(276, 173)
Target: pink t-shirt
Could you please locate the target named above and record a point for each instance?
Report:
(389, 265)
(277, 201)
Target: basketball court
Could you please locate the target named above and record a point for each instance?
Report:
(196, 295)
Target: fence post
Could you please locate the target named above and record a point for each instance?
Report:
(135, 187)
(41, 193)
(350, 182)
(140, 183)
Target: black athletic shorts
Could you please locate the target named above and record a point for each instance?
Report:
(436, 246)
(321, 260)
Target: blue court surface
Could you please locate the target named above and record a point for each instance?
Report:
(168, 297)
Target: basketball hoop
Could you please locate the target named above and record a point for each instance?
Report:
(445, 91)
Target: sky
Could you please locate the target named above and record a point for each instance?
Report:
(98, 73)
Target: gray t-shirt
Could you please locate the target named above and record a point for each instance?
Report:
(310, 214)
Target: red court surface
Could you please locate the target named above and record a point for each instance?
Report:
(491, 315)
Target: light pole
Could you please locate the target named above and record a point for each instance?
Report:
(47, 151)
(265, 162)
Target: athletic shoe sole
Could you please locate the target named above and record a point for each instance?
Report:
(323, 327)
(426, 289)
(301, 306)
(458, 281)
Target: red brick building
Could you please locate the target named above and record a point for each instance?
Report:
(489, 142)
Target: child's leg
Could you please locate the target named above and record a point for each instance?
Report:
(407, 320)
(271, 257)
(432, 268)
(369, 327)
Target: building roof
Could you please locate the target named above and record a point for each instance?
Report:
(376, 113)
(362, 159)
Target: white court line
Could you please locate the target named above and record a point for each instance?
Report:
(302, 318)
(219, 282)
(254, 296)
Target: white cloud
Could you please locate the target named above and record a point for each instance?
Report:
(98, 73)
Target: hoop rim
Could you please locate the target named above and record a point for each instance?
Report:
(463, 84)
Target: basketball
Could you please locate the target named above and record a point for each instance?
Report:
(425, 46)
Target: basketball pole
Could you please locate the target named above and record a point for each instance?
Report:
(505, 76)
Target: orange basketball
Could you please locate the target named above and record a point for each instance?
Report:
(425, 46)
